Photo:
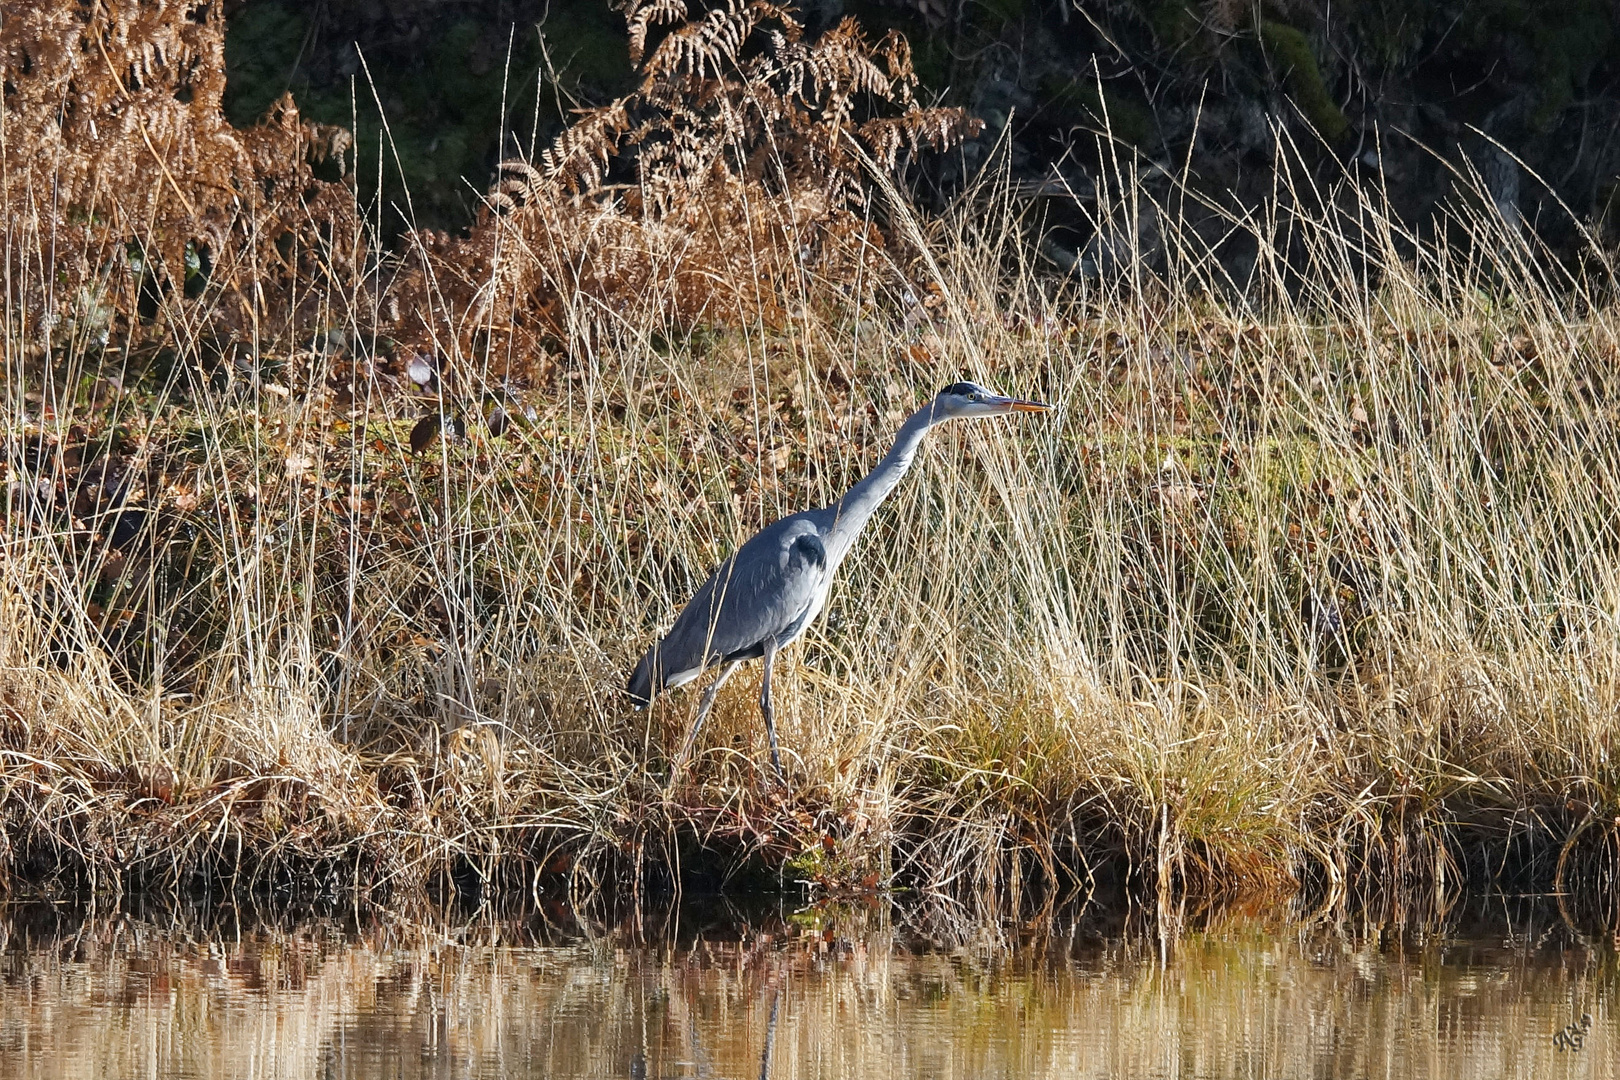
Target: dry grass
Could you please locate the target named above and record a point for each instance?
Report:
(1309, 582)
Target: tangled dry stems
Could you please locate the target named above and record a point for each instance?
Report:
(1312, 582)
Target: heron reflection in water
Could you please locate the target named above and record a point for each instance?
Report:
(766, 594)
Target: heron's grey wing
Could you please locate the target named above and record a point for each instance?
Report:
(761, 592)
(757, 594)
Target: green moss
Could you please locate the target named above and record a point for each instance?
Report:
(1392, 33)
(1566, 43)
(1569, 45)
(1175, 22)
(931, 60)
(1074, 101)
(588, 48)
(1290, 50)
(261, 57)
(442, 94)
(997, 12)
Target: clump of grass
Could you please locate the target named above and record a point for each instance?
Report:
(1306, 584)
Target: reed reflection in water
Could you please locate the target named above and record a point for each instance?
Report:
(144, 998)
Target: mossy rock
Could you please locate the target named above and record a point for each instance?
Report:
(1570, 45)
(998, 12)
(261, 53)
(1074, 101)
(447, 94)
(1290, 50)
(1175, 23)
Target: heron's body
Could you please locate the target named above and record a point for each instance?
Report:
(773, 587)
(769, 591)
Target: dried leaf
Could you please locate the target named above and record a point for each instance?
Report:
(424, 431)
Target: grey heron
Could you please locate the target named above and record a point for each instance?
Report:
(773, 587)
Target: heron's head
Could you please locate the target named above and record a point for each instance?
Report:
(969, 399)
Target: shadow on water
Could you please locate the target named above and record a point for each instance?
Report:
(714, 987)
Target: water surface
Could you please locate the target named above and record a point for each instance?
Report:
(708, 996)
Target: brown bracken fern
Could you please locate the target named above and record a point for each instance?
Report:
(117, 158)
(749, 149)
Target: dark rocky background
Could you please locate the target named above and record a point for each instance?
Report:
(1409, 94)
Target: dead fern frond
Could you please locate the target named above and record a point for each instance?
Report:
(707, 47)
(579, 157)
(642, 17)
(115, 141)
(748, 187)
(932, 129)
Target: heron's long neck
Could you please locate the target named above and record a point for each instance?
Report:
(855, 509)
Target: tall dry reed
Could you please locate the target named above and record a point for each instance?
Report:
(1309, 580)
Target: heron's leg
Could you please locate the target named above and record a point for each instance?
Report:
(765, 706)
(705, 703)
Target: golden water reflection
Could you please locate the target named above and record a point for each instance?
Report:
(128, 997)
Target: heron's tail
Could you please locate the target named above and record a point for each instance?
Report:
(641, 686)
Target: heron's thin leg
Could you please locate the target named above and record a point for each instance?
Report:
(770, 1039)
(765, 705)
(705, 703)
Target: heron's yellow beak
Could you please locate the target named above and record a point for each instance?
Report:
(1028, 406)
